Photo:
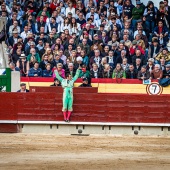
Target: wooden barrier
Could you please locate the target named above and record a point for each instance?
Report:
(88, 107)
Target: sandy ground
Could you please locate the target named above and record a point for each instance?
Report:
(30, 151)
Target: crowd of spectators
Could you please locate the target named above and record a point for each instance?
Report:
(107, 38)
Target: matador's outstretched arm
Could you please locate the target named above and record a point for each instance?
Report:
(58, 76)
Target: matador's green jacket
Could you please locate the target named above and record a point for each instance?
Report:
(68, 90)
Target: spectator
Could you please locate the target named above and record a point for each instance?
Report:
(107, 72)
(131, 73)
(118, 72)
(101, 32)
(15, 57)
(154, 49)
(59, 68)
(13, 39)
(47, 72)
(23, 88)
(23, 65)
(14, 27)
(111, 60)
(150, 14)
(85, 83)
(138, 55)
(56, 82)
(156, 73)
(137, 64)
(121, 57)
(161, 32)
(35, 71)
(84, 72)
(12, 67)
(137, 12)
(150, 65)
(33, 57)
(125, 65)
(143, 74)
(96, 59)
(164, 54)
(95, 72)
(166, 72)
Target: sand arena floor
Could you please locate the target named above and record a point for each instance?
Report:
(36, 152)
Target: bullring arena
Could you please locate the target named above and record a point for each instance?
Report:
(44, 151)
(121, 122)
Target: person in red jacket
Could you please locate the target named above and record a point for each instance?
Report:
(134, 47)
(53, 5)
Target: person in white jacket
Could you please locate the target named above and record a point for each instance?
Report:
(71, 9)
(64, 25)
(75, 27)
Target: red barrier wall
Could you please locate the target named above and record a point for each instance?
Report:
(88, 107)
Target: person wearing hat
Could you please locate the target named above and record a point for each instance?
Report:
(23, 88)
(23, 65)
(166, 72)
(137, 13)
(154, 49)
(13, 39)
(96, 38)
(150, 66)
(67, 84)
(85, 83)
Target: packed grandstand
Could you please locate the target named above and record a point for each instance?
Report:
(106, 38)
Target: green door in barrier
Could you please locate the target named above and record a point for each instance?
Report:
(5, 80)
